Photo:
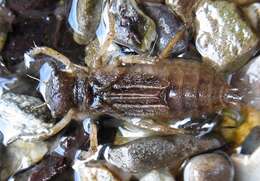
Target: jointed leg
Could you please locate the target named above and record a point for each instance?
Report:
(171, 44)
(93, 137)
(70, 67)
(151, 125)
(136, 59)
(55, 129)
(93, 151)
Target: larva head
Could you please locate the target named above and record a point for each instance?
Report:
(56, 88)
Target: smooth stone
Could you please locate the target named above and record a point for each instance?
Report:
(155, 152)
(252, 141)
(132, 28)
(20, 155)
(209, 167)
(247, 80)
(19, 118)
(167, 25)
(184, 9)
(223, 39)
(247, 167)
(158, 175)
(84, 18)
(243, 2)
(252, 12)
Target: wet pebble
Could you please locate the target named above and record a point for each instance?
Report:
(247, 166)
(252, 12)
(84, 18)
(20, 155)
(252, 141)
(243, 2)
(184, 9)
(122, 16)
(247, 80)
(167, 25)
(60, 156)
(19, 119)
(223, 38)
(209, 167)
(155, 152)
(91, 53)
(158, 175)
(17, 84)
(47, 169)
(99, 172)
(74, 138)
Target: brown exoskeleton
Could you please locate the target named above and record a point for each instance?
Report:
(139, 94)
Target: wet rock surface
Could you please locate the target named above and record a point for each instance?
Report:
(185, 9)
(19, 118)
(122, 17)
(84, 19)
(252, 12)
(20, 155)
(37, 23)
(247, 80)
(97, 173)
(252, 141)
(243, 2)
(47, 169)
(145, 154)
(247, 166)
(209, 167)
(168, 24)
(223, 38)
(60, 158)
(160, 175)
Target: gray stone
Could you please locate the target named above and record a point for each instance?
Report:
(223, 38)
(252, 141)
(209, 167)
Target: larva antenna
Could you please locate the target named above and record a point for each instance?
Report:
(39, 106)
(32, 77)
(35, 44)
(35, 78)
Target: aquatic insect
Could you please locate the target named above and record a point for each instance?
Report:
(146, 96)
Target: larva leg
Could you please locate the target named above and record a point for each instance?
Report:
(136, 59)
(53, 130)
(171, 44)
(93, 152)
(29, 57)
(93, 137)
(151, 125)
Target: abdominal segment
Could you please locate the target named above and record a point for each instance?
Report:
(184, 90)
